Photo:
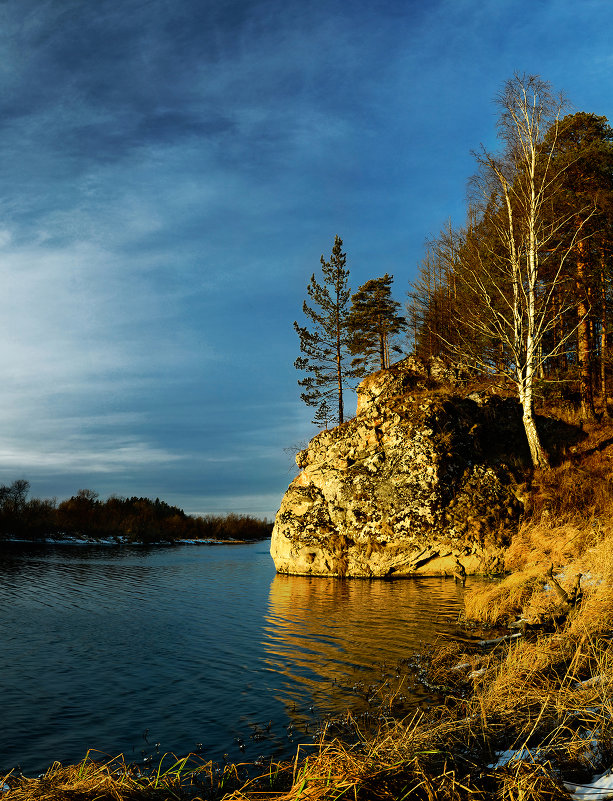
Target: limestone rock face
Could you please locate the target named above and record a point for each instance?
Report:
(419, 478)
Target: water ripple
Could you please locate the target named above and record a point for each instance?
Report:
(194, 645)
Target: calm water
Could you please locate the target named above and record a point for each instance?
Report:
(190, 647)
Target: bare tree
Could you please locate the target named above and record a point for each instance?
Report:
(512, 258)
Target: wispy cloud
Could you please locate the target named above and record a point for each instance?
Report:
(77, 456)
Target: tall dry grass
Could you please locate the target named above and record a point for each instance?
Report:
(496, 604)
(100, 778)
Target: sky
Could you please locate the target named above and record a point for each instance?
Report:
(171, 172)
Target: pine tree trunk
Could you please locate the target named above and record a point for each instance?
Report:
(583, 338)
(592, 346)
(583, 356)
(382, 350)
(560, 363)
(339, 373)
(603, 343)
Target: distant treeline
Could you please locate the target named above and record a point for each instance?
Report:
(131, 519)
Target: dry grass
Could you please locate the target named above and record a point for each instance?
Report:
(528, 593)
(499, 602)
(104, 779)
(597, 560)
(568, 495)
(548, 698)
(568, 524)
(410, 759)
(529, 701)
(580, 487)
(546, 543)
(596, 617)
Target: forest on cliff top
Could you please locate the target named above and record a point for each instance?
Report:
(523, 290)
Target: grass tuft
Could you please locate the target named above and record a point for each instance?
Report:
(112, 779)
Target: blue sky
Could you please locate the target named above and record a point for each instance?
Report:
(171, 172)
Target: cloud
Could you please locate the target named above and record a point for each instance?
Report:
(77, 457)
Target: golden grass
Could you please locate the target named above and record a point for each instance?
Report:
(495, 604)
(104, 779)
(596, 612)
(410, 759)
(543, 543)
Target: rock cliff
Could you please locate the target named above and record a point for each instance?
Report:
(422, 476)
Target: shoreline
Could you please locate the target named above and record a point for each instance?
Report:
(119, 541)
(465, 748)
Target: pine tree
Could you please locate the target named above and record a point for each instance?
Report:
(373, 321)
(323, 416)
(584, 159)
(325, 346)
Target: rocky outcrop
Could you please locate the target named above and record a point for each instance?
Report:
(424, 475)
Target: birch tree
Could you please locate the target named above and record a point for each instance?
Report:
(518, 267)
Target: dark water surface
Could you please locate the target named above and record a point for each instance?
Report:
(191, 647)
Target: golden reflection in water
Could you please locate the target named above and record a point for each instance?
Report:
(323, 636)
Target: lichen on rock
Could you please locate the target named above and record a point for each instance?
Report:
(419, 478)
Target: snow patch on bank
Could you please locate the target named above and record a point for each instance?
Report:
(601, 787)
(117, 541)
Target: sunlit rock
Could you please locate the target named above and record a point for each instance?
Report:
(420, 477)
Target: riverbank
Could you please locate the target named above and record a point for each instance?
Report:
(526, 715)
(527, 718)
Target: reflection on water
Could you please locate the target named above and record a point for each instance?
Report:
(323, 635)
(119, 648)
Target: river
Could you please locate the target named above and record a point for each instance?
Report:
(139, 650)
